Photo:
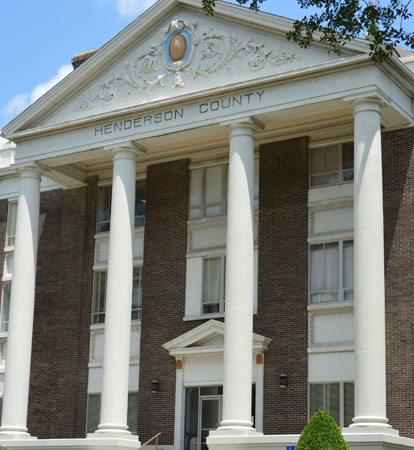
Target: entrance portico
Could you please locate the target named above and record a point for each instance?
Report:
(115, 131)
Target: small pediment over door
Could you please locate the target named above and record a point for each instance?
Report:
(208, 338)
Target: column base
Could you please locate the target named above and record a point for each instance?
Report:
(15, 433)
(371, 428)
(233, 429)
(113, 435)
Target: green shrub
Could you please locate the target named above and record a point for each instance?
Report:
(3, 448)
(321, 433)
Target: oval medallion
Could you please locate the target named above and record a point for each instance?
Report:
(177, 47)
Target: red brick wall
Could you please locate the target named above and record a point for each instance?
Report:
(283, 282)
(163, 300)
(60, 351)
(398, 178)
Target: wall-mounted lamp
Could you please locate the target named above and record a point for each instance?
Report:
(283, 380)
(155, 386)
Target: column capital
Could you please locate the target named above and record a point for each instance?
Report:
(372, 98)
(33, 170)
(367, 104)
(239, 124)
(126, 147)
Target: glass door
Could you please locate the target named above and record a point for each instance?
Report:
(210, 417)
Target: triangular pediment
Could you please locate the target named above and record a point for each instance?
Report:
(207, 335)
(174, 52)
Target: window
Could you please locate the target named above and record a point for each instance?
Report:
(94, 412)
(214, 284)
(11, 224)
(208, 191)
(335, 398)
(104, 206)
(331, 272)
(5, 307)
(332, 165)
(99, 295)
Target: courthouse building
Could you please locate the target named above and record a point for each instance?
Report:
(206, 229)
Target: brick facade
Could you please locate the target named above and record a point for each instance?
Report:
(163, 298)
(283, 282)
(398, 179)
(60, 350)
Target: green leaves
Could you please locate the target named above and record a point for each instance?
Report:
(321, 433)
(339, 21)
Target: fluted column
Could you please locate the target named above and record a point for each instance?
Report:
(238, 340)
(19, 339)
(370, 376)
(114, 402)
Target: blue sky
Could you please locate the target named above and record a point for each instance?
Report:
(38, 39)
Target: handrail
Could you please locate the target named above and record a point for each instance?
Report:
(149, 440)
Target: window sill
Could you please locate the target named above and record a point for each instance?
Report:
(9, 249)
(101, 326)
(4, 334)
(105, 234)
(330, 305)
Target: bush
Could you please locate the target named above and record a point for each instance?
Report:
(321, 433)
(3, 448)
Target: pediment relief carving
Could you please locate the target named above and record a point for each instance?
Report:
(183, 53)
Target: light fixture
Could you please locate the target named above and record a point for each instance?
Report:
(283, 380)
(155, 386)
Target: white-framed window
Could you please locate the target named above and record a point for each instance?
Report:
(208, 191)
(335, 398)
(332, 165)
(104, 206)
(94, 412)
(5, 307)
(99, 295)
(214, 275)
(11, 224)
(331, 272)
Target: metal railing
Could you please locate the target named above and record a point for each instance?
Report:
(150, 440)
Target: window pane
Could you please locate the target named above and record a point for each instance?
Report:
(256, 184)
(5, 307)
(332, 401)
(316, 398)
(317, 267)
(348, 156)
(191, 418)
(317, 161)
(214, 191)
(321, 180)
(348, 264)
(132, 412)
(94, 411)
(332, 266)
(211, 288)
(11, 223)
(104, 209)
(331, 158)
(140, 203)
(349, 403)
(137, 293)
(99, 297)
(196, 178)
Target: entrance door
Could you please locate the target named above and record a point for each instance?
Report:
(210, 418)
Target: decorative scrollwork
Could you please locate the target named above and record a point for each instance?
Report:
(218, 51)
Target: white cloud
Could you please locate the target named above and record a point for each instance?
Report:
(132, 8)
(17, 104)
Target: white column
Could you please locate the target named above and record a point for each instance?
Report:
(238, 340)
(179, 405)
(19, 340)
(114, 402)
(370, 376)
